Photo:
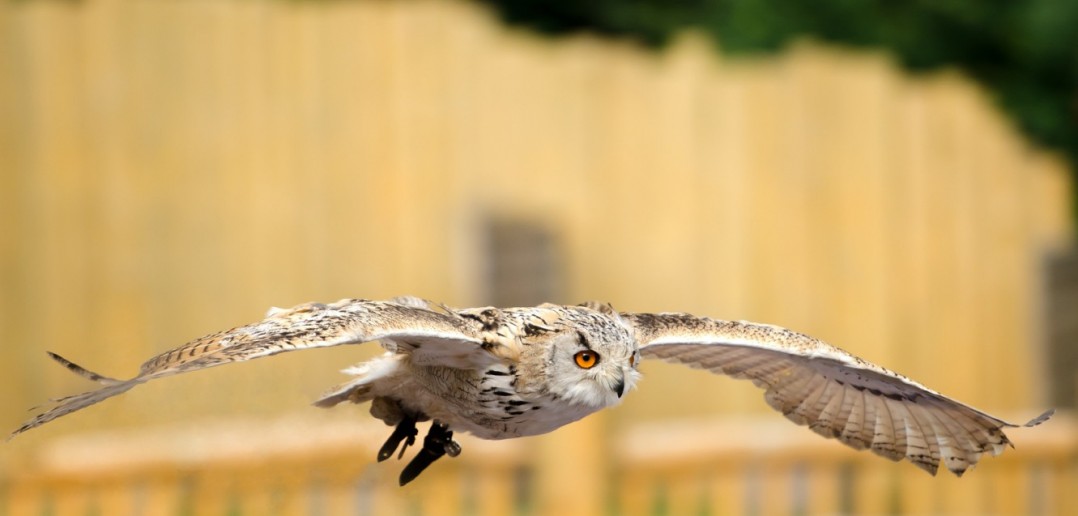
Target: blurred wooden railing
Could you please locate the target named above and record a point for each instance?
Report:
(725, 466)
(771, 467)
(288, 466)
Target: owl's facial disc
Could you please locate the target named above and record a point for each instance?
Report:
(594, 372)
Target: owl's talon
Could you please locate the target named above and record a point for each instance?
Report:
(405, 431)
(408, 442)
(438, 442)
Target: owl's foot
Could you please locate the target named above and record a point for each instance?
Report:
(438, 442)
(406, 432)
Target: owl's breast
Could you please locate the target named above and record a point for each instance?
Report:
(486, 403)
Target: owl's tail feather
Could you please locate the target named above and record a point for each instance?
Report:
(69, 404)
(355, 391)
(358, 389)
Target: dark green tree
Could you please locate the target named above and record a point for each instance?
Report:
(1025, 52)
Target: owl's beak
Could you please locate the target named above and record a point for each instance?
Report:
(619, 387)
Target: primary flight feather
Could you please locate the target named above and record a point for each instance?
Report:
(512, 372)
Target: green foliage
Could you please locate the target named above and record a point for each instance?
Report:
(1025, 52)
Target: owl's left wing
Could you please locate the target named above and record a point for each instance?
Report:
(430, 333)
(834, 393)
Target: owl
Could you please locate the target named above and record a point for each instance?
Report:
(514, 372)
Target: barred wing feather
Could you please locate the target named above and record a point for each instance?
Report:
(834, 393)
(406, 325)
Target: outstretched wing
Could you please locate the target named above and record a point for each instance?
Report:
(408, 325)
(834, 393)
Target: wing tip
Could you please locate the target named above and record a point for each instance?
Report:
(29, 425)
(69, 404)
(14, 433)
(1045, 416)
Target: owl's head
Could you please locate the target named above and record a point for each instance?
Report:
(592, 362)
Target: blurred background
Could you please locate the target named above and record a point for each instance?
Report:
(895, 180)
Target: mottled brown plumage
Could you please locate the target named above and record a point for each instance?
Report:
(503, 373)
(834, 393)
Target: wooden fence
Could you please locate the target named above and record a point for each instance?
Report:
(169, 168)
(724, 466)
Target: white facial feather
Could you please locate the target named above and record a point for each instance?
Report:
(600, 386)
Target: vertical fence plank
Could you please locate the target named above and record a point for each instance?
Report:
(25, 499)
(685, 492)
(117, 496)
(161, 495)
(773, 486)
(872, 488)
(1065, 477)
(449, 494)
(74, 498)
(495, 491)
(728, 490)
(636, 491)
(820, 488)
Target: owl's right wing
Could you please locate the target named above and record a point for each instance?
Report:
(431, 333)
(833, 392)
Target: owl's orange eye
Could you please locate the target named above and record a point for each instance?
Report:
(586, 359)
